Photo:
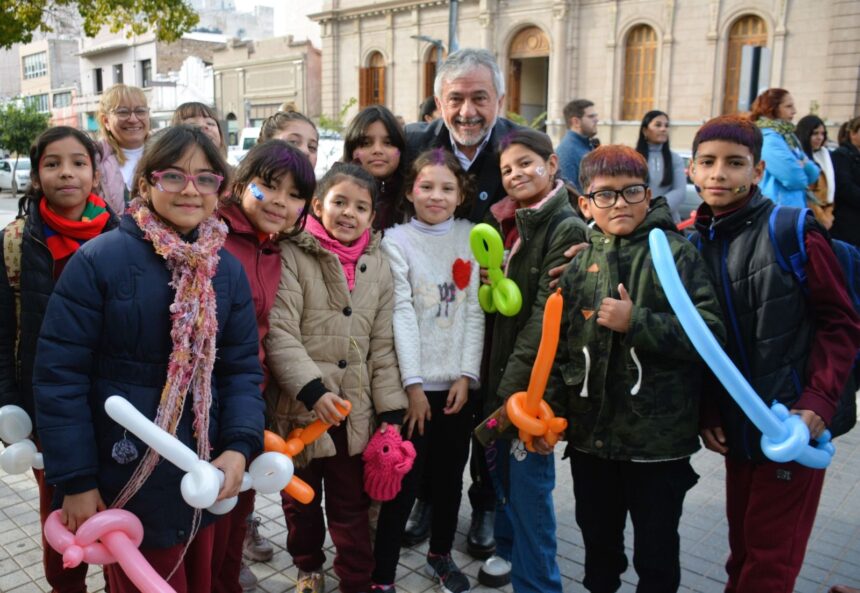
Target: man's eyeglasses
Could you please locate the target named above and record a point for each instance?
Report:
(606, 198)
(176, 181)
(125, 113)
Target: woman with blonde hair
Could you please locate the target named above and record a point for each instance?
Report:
(123, 117)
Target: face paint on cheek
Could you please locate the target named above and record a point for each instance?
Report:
(416, 187)
(256, 191)
(541, 171)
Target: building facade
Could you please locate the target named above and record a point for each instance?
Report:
(48, 77)
(685, 57)
(254, 78)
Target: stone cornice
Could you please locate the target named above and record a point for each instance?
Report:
(377, 9)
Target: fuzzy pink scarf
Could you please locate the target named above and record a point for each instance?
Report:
(347, 254)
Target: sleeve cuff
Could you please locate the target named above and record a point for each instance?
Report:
(392, 417)
(311, 393)
(412, 381)
(78, 485)
(818, 404)
(243, 447)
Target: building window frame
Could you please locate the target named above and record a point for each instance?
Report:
(40, 102)
(639, 75)
(62, 99)
(746, 29)
(35, 65)
(98, 81)
(145, 73)
(371, 84)
(117, 74)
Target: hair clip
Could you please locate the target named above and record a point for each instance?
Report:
(256, 191)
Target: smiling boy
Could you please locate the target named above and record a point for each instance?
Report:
(631, 375)
(793, 347)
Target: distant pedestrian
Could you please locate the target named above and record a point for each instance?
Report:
(846, 162)
(812, 134)
(204, 117)
(375, 141)
(581, 119)
(429, 110)
(142, 311)
(62, 214)
(123, 117)
(787, 170)
(666, 176)
(295, 128)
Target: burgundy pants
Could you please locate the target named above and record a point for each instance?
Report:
(194, 574)
(771, 508)
(229, 541)
(346, 506)
(61, 580)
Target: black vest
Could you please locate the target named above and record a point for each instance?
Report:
(768, 321)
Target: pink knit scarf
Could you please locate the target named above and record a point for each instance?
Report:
(194, 325)
(347, 254)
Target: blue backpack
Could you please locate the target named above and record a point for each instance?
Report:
(786, 228)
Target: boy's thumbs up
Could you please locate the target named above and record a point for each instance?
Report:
(615, 314)
(623, 292)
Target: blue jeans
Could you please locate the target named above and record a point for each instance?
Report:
(525, 517)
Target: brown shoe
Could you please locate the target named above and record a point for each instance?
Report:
(310, 582)
(257, 548)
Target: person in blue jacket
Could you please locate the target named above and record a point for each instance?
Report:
(140, 312)
(787, 170)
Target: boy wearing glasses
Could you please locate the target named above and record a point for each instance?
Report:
(631, 375)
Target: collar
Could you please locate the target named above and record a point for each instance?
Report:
(577, 137)
(727, 223)
(465, 161)
(436, 230)
(238, 223)
(507, 207)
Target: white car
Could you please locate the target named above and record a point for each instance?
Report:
(22, 173)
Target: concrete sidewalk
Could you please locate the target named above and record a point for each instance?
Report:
(833, 555)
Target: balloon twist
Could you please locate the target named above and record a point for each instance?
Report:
(21, 454)
(527, 409)
(295, 444)
(200, 485)
(785, 437)
(106, 537)
(502, 294)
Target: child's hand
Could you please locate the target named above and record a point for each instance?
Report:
(418, 411)
(232, 463)
(326, 408)
(813, 421)
(714, 439)
(485, 275)
(77, 508)
(541, 446)
(557, 271)
(384, 427)
(615, 314)
(458, 395)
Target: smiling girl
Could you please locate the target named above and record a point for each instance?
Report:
(140, 312)
(331, 340)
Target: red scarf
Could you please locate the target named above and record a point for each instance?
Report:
(63, 236)
(347, 254)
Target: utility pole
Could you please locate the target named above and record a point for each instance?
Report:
(453, 44)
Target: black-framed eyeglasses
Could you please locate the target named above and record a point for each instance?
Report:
(606, 198)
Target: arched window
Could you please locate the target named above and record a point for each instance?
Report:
(747, 30)
(640, 67)
(372, 81)
(430, 59)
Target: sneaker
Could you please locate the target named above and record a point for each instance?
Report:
(495, 572)
(247, 579)
(256, 548)
(382, 589)
(310, 582)
(445, 571)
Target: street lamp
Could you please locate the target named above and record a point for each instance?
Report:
(437, 43)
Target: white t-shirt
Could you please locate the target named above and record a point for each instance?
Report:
(132, 156)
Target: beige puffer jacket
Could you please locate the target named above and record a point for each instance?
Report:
(319, 330)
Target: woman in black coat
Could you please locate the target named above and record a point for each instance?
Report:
(846, 162)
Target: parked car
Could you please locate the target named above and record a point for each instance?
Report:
(247, 139)
(329, 152)
(691, 196)
(22, 174)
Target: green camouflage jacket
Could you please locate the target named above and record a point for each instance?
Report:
(515, 339)
(633, 395)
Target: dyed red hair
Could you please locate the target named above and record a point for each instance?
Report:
(612, 160)
(766, 104)
(731, 128)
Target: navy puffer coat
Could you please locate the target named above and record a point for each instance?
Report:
(106, 332)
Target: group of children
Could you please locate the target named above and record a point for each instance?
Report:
(272, 299)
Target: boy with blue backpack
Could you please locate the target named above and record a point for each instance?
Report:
(792, 331)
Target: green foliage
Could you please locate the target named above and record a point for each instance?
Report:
(536, 124)
(19, 126)
(336, 123)
(169, 18)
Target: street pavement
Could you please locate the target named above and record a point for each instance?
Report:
(833, 555)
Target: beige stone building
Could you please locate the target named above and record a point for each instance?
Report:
(253, 78)
(685, 57)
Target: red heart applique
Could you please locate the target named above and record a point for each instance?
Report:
(462, 271)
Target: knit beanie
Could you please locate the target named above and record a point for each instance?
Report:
(387, 458)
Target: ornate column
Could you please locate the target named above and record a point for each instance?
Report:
(779, 34)
(558, 71)
(608, 107)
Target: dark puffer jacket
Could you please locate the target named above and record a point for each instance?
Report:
(846, 164)
(37, 284)
(106, 332)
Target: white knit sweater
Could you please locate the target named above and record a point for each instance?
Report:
(438, 323)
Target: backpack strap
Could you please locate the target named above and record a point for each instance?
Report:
(786, 228)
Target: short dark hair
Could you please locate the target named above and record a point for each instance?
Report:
(49, 136)
(731, 128)
(849, 127)
(270, 161)
(428, 106)
(348, 172)
(576, 108)
(804, 129)
(167, 146)
(612, 160)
